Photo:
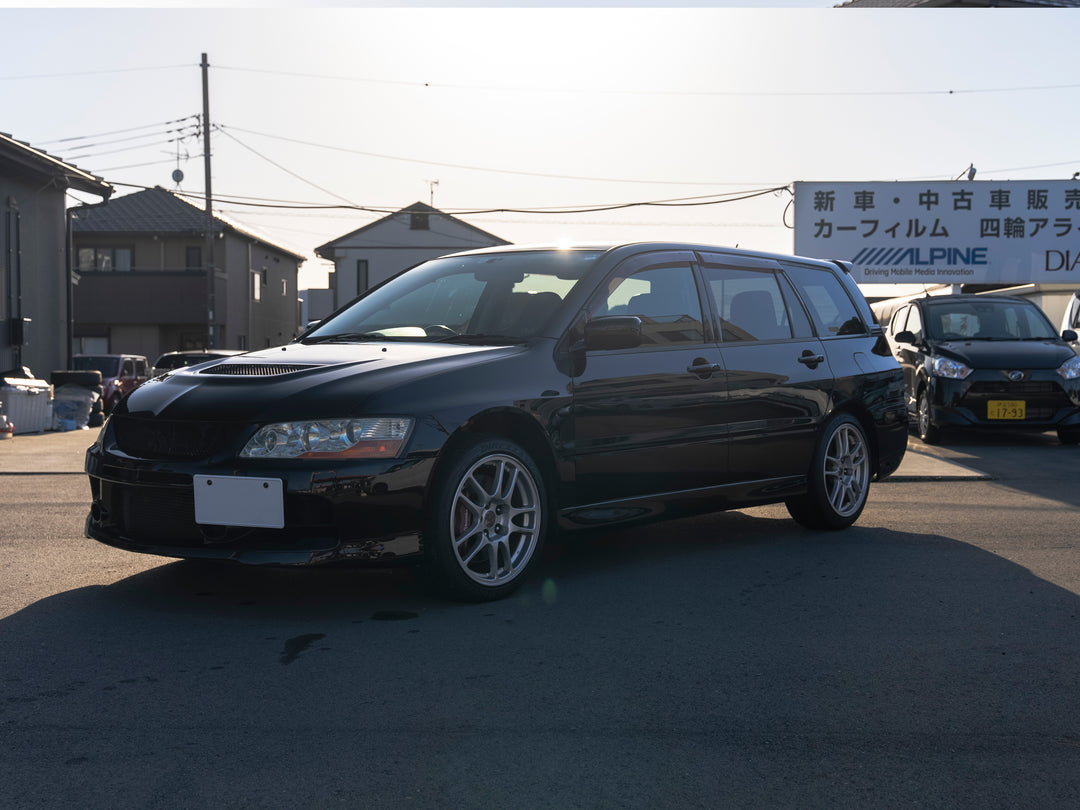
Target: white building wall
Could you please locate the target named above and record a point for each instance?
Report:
(392, 245)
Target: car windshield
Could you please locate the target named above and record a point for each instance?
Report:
(108, 366)
(987, 320)
(480, 298)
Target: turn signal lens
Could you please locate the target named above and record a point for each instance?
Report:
(381, 437)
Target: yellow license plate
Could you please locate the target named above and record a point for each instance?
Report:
(1006, 409)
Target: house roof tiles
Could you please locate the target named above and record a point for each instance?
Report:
(154, 210)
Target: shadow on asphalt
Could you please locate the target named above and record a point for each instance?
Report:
(736, 656)
(1036, 463)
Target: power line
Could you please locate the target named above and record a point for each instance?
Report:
(143, 165)
(640, 92)
(279, 166)
(183, 132)
(575, 90)
(465, 167)
(678, 202)
(90, 72)
(84, 156)
(120, 131)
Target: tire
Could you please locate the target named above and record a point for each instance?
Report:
(487, 522)
(96, 419)
(926, 430)
(839, 479)
(1069, 435)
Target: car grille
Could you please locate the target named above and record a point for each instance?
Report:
(1027, 388)
(169, 439)
(1043, 398)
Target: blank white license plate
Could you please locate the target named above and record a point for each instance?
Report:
(230, 500)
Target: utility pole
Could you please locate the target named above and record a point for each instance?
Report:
(208, 237)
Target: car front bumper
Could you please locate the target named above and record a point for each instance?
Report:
(363, 511)
(1049, 401)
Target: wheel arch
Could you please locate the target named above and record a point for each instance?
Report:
(513, 425)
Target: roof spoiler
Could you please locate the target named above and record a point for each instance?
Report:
(843, 265)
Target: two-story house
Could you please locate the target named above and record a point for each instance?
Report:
(142, 285)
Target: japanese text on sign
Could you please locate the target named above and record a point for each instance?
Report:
(945, 232)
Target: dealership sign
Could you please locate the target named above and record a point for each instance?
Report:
(961, 232)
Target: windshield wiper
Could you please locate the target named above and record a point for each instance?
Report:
(347, 337)
(480, 339)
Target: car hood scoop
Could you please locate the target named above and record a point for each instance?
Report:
(257, 369)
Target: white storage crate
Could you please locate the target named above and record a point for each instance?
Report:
(27, 404)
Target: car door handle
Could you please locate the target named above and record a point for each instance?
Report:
(700, 366)
(811, 360)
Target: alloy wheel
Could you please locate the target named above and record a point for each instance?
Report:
(847, 470)
(495, 519)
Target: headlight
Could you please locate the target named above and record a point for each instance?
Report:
(944, 367)
(1070, 369)
(343, 438)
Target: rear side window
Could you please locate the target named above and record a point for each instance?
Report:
(831, 308)
(750, 304)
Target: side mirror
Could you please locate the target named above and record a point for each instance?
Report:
(1069, 336)
(613, 332)
(905, 336)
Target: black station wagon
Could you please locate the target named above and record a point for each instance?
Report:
(459, 413)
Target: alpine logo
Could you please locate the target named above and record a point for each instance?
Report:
(921, 256)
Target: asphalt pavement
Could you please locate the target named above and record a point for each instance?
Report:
(52, 453)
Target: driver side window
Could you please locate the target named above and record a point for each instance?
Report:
(664, 298)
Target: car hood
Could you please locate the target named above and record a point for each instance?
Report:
(297, 380)
(1019, 354)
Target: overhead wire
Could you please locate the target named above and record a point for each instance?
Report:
(121, 131)
(182, 132)
(466, 167)
(679, 202)
(645, 92)
(282, 168)
(71, 73)
(577, 89)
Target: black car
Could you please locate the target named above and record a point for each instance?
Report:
(987, 361)
(460, 412)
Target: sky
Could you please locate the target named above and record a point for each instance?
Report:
(561, 122)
